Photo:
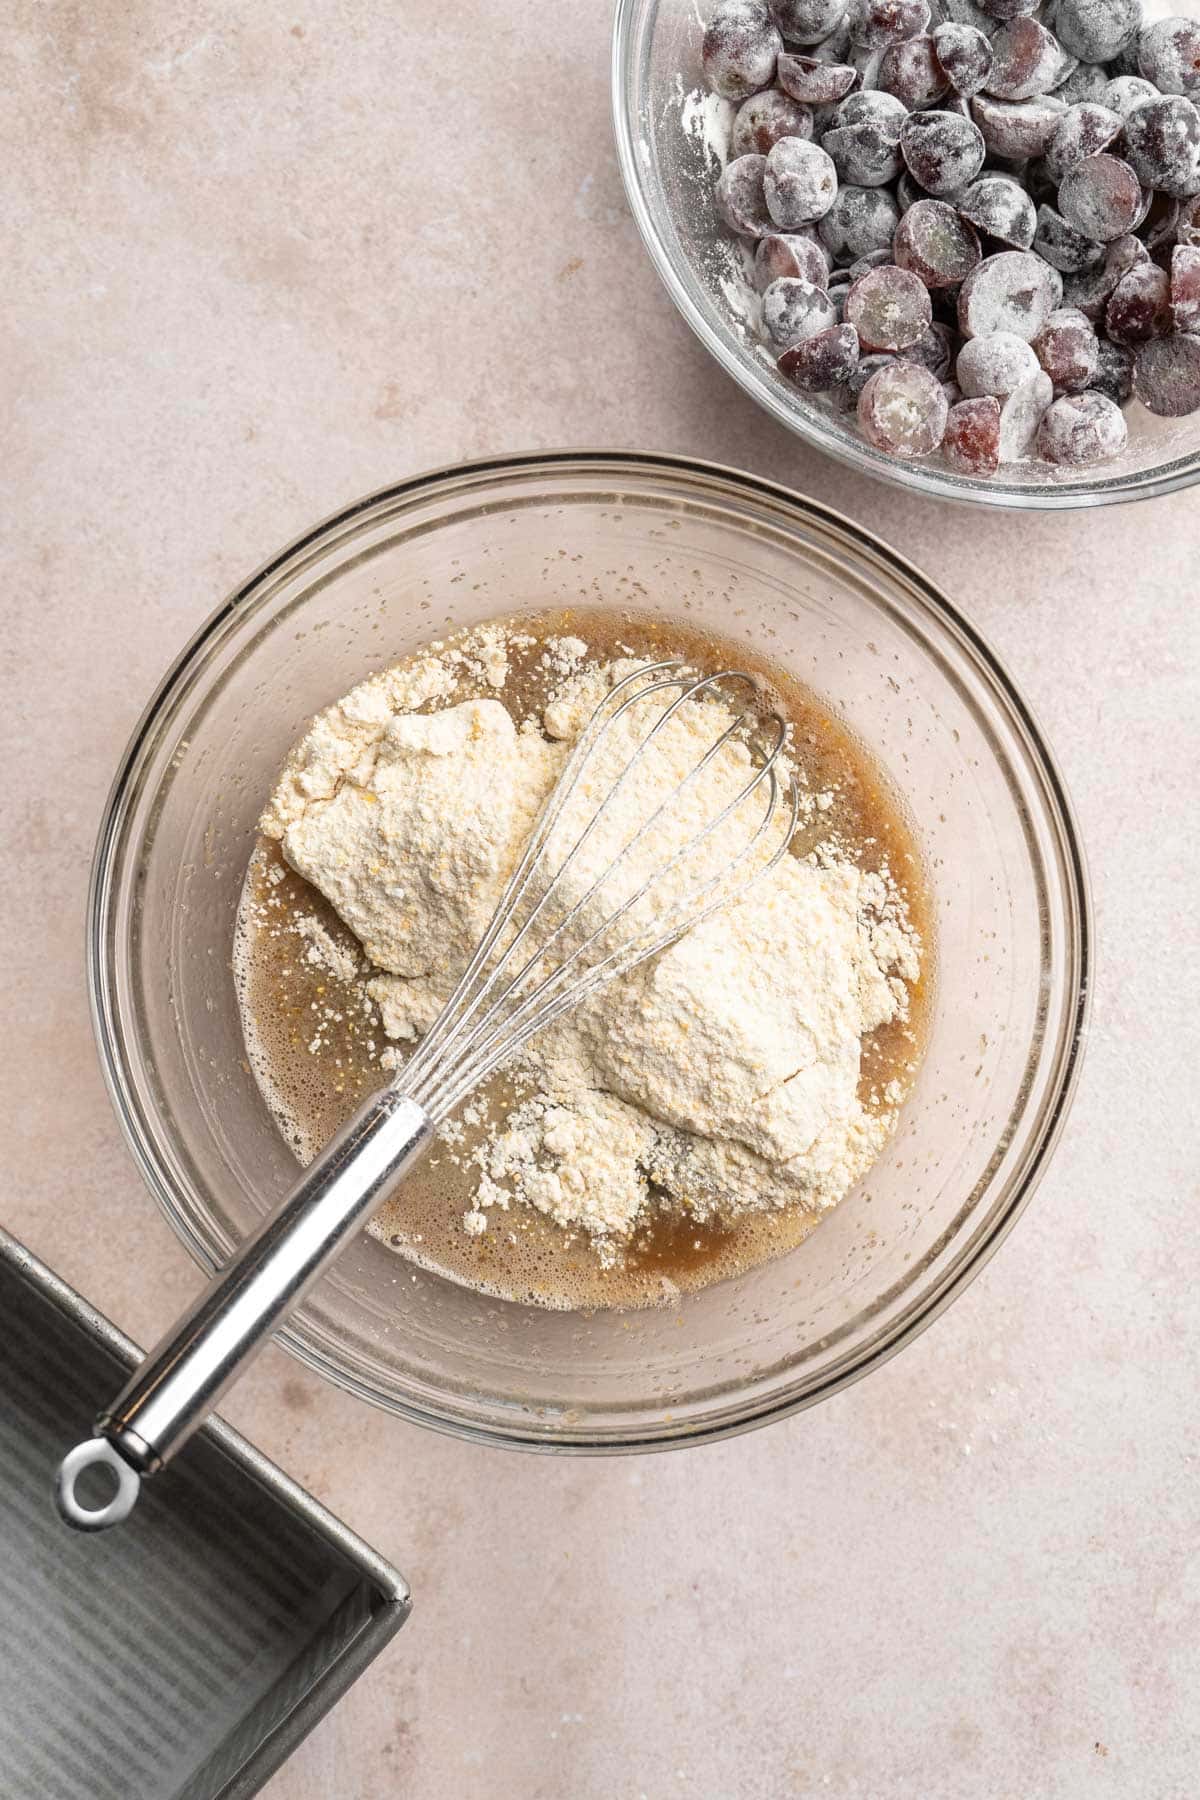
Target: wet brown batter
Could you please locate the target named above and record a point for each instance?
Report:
(315, 1041)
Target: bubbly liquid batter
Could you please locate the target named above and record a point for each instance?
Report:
(314, 1045)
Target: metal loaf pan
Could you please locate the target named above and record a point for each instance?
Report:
(184, 1655)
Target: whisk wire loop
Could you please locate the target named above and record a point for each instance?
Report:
(447, 1026)
(553, 977)
(627, 956)
(489, 1015)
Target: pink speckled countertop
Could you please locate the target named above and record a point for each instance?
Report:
(249, 275)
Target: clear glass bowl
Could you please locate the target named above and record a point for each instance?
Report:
(669, 176)
(895, 661)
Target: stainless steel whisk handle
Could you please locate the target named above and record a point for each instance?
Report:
(185, 1375)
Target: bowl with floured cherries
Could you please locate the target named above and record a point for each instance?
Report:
(955, 243)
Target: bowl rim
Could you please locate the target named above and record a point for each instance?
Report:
(1060, 817)
(912, 477)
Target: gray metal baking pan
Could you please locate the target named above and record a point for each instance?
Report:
(184, 1656)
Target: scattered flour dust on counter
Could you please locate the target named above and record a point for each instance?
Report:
(688, 1119)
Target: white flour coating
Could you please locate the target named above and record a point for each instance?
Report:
(563, 655)
(350, 729)
(722, 1075)
(748, 1028)
(582, 1158)
(727, 263)
(322, 952)
(708, 119)
(414, 845)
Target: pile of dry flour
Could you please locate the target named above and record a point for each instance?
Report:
(720, 1076)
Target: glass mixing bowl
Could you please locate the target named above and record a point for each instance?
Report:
(669, 175)
(896, 663)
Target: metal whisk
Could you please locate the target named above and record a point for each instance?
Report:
(546, 947)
